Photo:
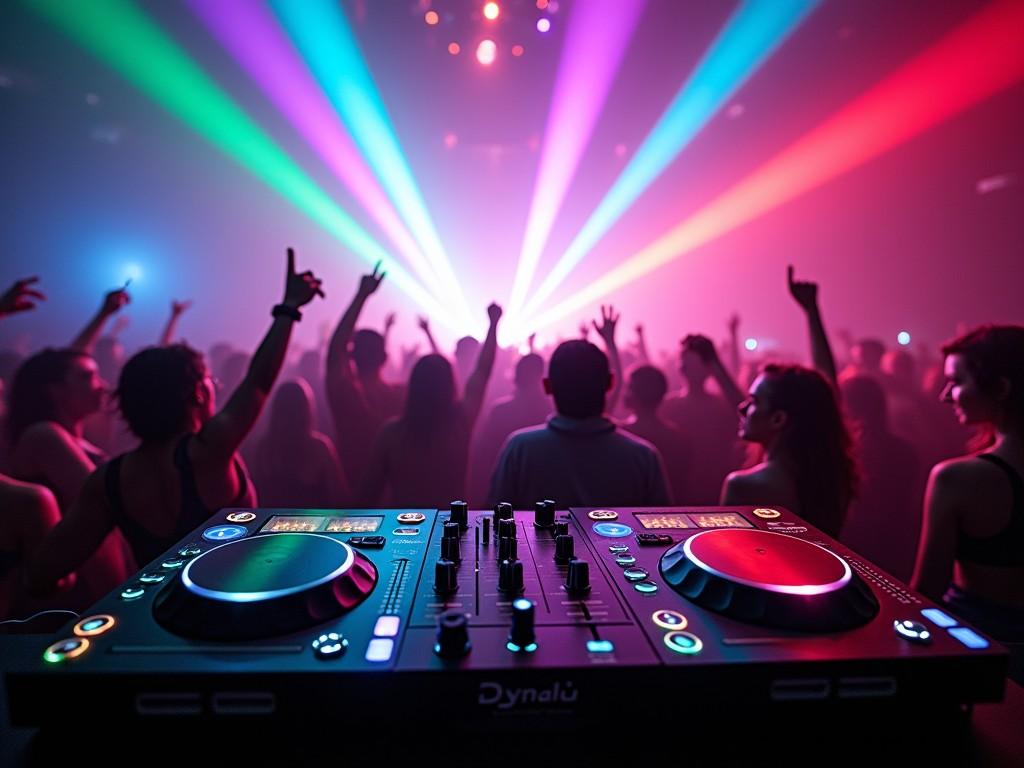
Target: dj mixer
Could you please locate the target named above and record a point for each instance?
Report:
(503, 614)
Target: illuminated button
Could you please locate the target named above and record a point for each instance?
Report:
(616, 549)
(600, 646)
(386, 626)
(603, 514)
(411, 518)
(767, 514)
(94, 625)
(405, 531)
(612, 530)
(938, 618)
(653, 539)
(969, 637)
(224, 532)
(152, 578)
(635, 574)
(914, 631)
(241, 517)
(190, 550)
(669, 619)
(646, 587)
(134, 592)
(625, 559)
(330, 645)
(380, 649)
(684, 642)
(173, 564)
(70, 648)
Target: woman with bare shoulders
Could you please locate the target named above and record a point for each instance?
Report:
(186, 465)
(971, 554)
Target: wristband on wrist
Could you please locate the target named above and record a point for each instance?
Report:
(283, 310)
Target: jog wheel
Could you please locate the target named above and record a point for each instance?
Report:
(264, 586)
(760, 577)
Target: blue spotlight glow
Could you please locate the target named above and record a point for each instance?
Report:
(755, 30)
(750, 344)
(903, 337)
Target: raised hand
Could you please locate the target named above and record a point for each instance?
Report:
(20, 297)
(389, 321)
(423, 323)
(734, 323)
(178, 308)
(299, 288)
(584, 330)
(494, 313)
(702, 345)
(639, 330)
(805, 293)
(609, 319)
(532, 341)
(114, 301)
(370, 283)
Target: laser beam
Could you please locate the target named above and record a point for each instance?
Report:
(595, 42)
(755, 30)
(979, 58)
(323, 35)
(124, 38)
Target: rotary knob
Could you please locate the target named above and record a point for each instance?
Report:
(522, 637)
(452, 635)
(544, 514)
(561, 528)
(505, 529)
(451, 548)
(510, 576)
(577, 581)
(459, 513)
(446, 580)
(508, 548)
(503, 511)
(565, 549)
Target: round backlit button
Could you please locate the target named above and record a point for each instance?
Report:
(684, 642)
(914, 631)
(411, 518)
(190, 550)
(624, 560)
(767, 514)
(635, 574)
(603, 514)
(330, 645)
(224, 532)
(616, 549)
(173, 564)
(612, 530)
(646, 587)
(152, 578)
(94, 625)
(133, 592)
(669, 619)
(241, 517)
(69, 648)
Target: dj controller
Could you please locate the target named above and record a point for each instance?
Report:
(503, 615)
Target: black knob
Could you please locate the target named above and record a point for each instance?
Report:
(544, 514)
(561, 528)
(446, 579)
(565, 548)
(510, 576)
(459, 513)
(486, 533)
(503, 511)
(450, 530)
(451, 548)
(577, 581)
(506, 529)
(508, 548)
(452, 635)
(522, 636)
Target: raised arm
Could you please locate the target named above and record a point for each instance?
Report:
(221, 435)
(112, 304)
(606, 330)
(424, 325)
(734, 344)
(476, 385)
(178, 308)
(337, 350)
(641, 345)
(389, 323)
(704, 347)
(806, 295)
(20, 297)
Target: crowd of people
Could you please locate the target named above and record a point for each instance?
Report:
(915, 462)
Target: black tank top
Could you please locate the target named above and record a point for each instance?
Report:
(1006, 548)
(146, 545)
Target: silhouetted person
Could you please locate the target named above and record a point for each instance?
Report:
(972, 548)
(884, 522)
(359, 398)
(294, 465)
(421, 459)
(579, 458)
(186, 465)
(644, 394)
